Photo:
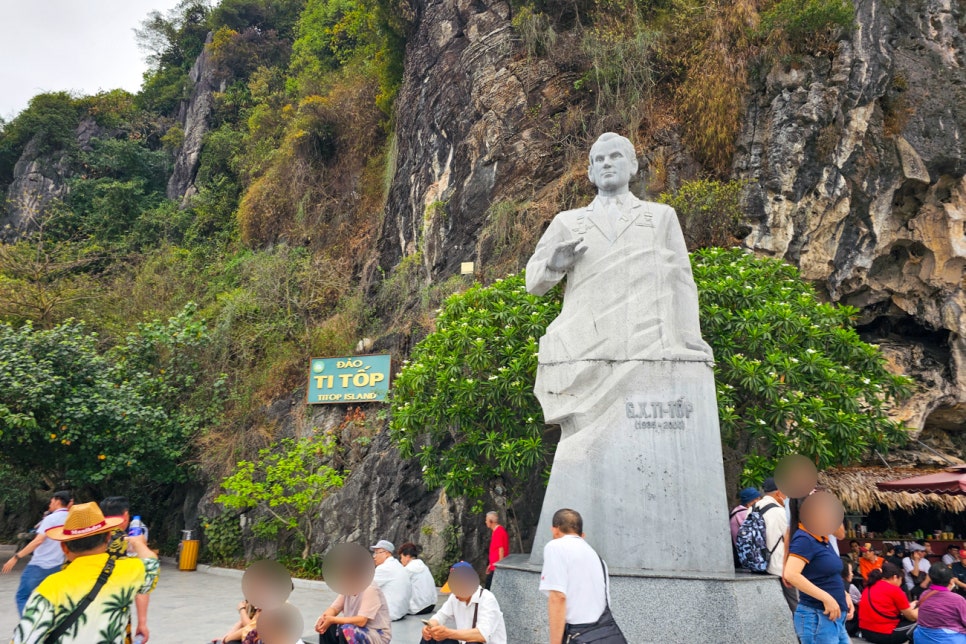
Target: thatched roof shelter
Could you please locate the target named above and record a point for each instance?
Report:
(856, 488)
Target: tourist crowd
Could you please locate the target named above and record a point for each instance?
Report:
(899, 592)
(88, 568)
(888, 596)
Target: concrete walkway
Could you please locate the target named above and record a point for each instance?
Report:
(197, 607)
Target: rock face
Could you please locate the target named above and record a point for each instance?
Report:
(858, 163)
(194, 120)
(38, 179)
(464, 137)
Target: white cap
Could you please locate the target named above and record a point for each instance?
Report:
(382, 544)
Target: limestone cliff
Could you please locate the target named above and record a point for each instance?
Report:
(193, 118)
(39, 178)
(857, 162)
(467, 135)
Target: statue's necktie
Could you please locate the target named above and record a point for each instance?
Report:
(612, 214)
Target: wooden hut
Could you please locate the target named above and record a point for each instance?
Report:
(899, 513)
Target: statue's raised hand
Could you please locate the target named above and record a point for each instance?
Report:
(565, 255)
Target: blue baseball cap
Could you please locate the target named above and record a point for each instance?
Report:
(748, 495)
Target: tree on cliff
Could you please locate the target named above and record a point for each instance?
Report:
(792, 377)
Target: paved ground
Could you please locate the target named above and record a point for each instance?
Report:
(196, 607)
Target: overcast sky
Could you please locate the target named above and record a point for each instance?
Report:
(75, 45)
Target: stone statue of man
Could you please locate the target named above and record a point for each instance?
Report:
(630, 294)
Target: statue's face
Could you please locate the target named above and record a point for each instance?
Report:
(611, 167)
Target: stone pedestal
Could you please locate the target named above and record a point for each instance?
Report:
(640, 459)
(658, 609)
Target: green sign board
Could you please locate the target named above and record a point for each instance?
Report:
(348, 380)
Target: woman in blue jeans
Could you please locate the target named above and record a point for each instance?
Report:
(815, 570)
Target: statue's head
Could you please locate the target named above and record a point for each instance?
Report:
(613, 161)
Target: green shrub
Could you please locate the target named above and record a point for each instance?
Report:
(222, 539)
(287, 485)
(51, 119)
(464, 404)
(808, 26)
(73, 412)
(792, 374)
(709, 211)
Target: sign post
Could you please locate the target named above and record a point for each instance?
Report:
(348, 380)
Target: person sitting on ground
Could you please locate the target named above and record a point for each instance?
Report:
(951, 556)
(282, 625)
(359, 614)
(423, 600)
(851, 624)
(942, 614)
(868, 561)
(886, 616)
(916, 567)
(959, 575)
(474, 611)
(247, 617)
(392, 578)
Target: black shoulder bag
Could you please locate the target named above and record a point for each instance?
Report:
(71, 619)
(476, 611)
(604, 631)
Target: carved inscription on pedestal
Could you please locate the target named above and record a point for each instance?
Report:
(659, 414)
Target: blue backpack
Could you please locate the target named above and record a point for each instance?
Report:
(752, 547)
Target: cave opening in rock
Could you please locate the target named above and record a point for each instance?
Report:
(950, 419)
(889, 328)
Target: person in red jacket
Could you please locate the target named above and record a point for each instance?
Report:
(886, 616)
(499, 544)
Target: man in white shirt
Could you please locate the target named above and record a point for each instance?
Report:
(48, 557)
(573, 576)
(776, 529)
(392, 579)
(474, 611)
(916, 568)
(951, 556)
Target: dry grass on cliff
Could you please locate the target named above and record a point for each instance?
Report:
(711, 96)
(320, 175)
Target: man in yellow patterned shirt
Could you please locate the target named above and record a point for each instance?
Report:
(85, 536)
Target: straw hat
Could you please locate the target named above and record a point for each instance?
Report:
(84, 520)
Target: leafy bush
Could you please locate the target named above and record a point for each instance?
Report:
(709, 211)
(288, 485)
(73, 413)
(792, 377)
(222, 538)
(50, 119)
(808, 26)
(366, 35)
(121, 180)
(464, 404)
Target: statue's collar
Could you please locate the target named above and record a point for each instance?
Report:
(621, 201)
